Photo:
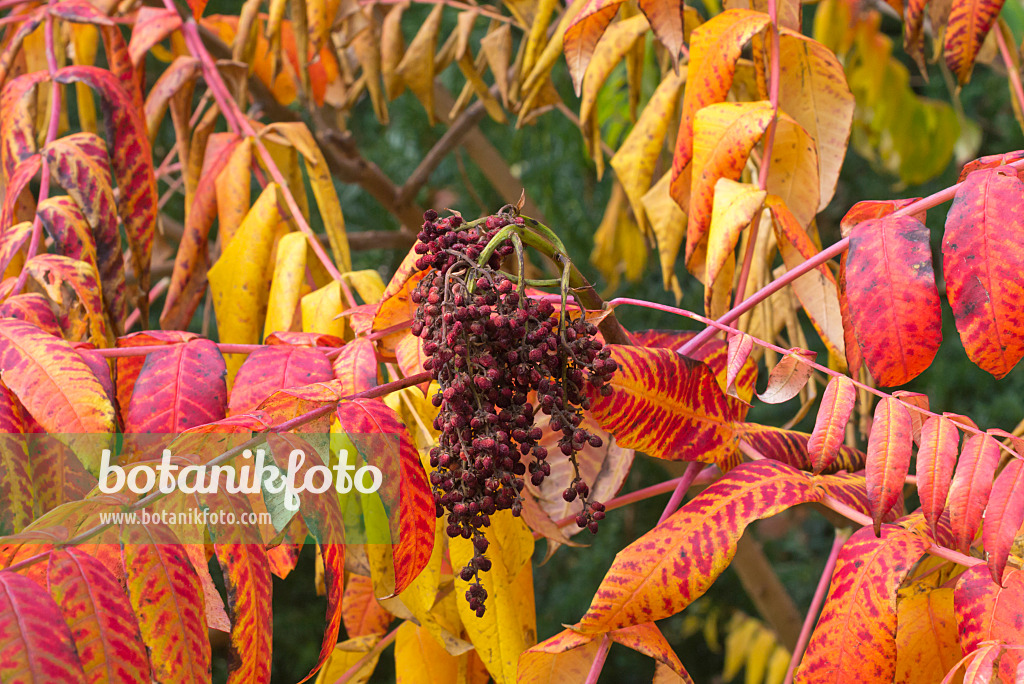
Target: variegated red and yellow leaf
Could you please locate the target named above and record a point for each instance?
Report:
(792, 448)
(52, 381)
(152, 25)
(272, 368)
(361, 612)
(175, 78)
(936, 459)
(74, 289)
(670, 23)
(1004, 516)
(855, 639)
(246, 569)
(178, 388)
(830, 426)
(981, 257)
(70, 229)
(730, 370)
(986, 611)
(102, 623)
(411, 356)
(408, 485)
(714, 48)
(37, 644)
(665, 570)
(128, 367)
(667, 405)
(131, 159)
(396, 307)
(355, 366)
(34, 308)
(17, 115)
(890, 285)
(851, 489)
(972, 482)
(168, 601)
(926, 638)
(889, 451)
(969, 23)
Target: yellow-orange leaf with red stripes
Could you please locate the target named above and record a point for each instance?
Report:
(986, 611)
(665, 570)
(667, 405)
(855, 640)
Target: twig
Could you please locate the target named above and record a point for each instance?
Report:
(685, 481)
(819, 598)
(1011, 68)
(598, 665)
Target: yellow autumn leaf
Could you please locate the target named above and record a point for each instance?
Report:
(367, 283)
(345, 655)
(238, 281)
(638, 154)
(288, 285)
(85, 39)
(735, 205)
(419, 659)
(613, 46)
(496, 47)
(234, 186)
(793, 172)
(508, 626)
(417, 66)
(320, 310)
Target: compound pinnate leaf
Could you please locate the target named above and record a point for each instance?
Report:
(38, 647)
(131, 159)
(981, 259)
(272, 368)
(416, 503)
(792, 448)
(830, 426)
(168, 602)
(667, 405)
(890, 285)
(665, 570)
(889, 451)
(788, 377)
(855, 639)
(969, 23)
(52, 381)
(582, 35)
(103, 625)
(178, 388)
(986, 611)
(936, 459)
(972, 482)
(1004, 516)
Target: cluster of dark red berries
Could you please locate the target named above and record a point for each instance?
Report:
(490, 347)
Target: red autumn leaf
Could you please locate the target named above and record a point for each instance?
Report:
(972, 482)
(168, 601)
(936, 459)
(730, 370)
(128, 367)
(103, 625)
(788, 377)
(982, 260)
(33, 308)
(793, 448)
(355, 366)
(986, 611)
(914, 400)
(131, 159)
(890, 286)
(988, 162)
(303, 339)
(17, 111)
(272, 368)
(74, 288)
(889, 451)
(81, 12)
(666, 405)
(17, 508)
(70, 228)
(246, 570)
(851, 490)
(1004, 516)
(100, 367)
(855, 639)
(740, 347)
(361, 611)
(969, 22)
(665, 570)
(850, 344)
(333, 556)
(18, 181)
(415, 514)
(178, 388)
(152, 25)
(37, 643)
(875, 209)
(830, 426)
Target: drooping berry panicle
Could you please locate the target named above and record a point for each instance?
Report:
(490, 348)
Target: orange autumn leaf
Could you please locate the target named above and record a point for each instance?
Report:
(889, 451)
(830, 426)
